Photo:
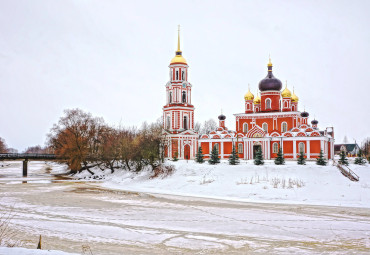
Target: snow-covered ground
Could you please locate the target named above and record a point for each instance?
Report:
(71, 215)
(270, 183)
(23, 251)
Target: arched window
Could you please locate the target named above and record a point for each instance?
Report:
(186, 122)
(275, 148)
(301, 147)
(177, 75)
(293, 108)
(268, 103)
(286, 104)
(216, 146)
(245, 128)
(184, 97)
(183, 75)
(170, 97)
(240, 148)
(168, 122)
(265, 127)
(284, 127)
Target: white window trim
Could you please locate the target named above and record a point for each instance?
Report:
(275, 150)
(282, 129)
(266, 130)
(240, 148)
(245, 125)
(268, 99)
(217, 147)
(299, 147)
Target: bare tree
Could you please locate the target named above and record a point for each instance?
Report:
(197, 127)
(3, 146)
(208, 126)
(77, 137)
(366, 147)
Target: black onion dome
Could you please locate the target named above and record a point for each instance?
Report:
(305, 114)
(314, 122)
(270, 82)
(222, 117)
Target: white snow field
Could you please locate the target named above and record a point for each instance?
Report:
(181, 215)
(23, 251)
(270, 183)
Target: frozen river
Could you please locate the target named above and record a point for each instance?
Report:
(70, 215)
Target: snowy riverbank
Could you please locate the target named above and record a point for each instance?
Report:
(24, 251)
(288, 184)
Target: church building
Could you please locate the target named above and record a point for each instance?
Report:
(268, 122)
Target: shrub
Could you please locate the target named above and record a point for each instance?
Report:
(163, 171)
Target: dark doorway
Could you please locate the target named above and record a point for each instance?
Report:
(187, 151)
(255, 149)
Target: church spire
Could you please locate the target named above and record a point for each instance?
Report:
(178, 57)
(269, 63)
(178, 39)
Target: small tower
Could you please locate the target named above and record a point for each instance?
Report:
(314, 123)
(221, 120)
(295, 100)
(257, 103)
(287, 99)
(304, 116)
(248, 98)
(270, 91)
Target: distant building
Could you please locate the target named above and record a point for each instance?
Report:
(12, 150)
(269, 122)
(351, 149)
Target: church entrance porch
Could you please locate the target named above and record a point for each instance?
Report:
(256, 148)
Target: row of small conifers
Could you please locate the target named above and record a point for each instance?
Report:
(279, 160)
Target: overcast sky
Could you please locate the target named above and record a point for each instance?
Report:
(111, 58)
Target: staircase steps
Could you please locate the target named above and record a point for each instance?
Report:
(347, 172)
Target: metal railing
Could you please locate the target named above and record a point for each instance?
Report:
(14, 156)
(346, 171)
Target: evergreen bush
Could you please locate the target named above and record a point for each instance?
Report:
(279, 160)
(259, 158)
(214, 157)
(199, 156)
(234, 158)
(360, 160)
(343, 158)
(321, 160)
(175, 157)
(301, 159)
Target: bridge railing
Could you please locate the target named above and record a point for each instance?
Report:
(27, 156)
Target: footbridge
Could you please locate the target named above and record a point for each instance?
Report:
(25, 157)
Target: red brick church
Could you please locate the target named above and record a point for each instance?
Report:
(269, 121)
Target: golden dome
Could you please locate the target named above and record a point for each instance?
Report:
(178, 58)
(286, 92)
(249, 95)
(294, 97)
(257, 99)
